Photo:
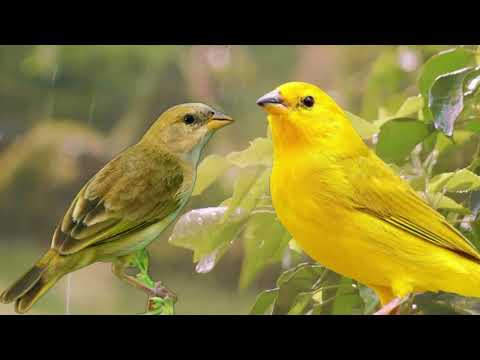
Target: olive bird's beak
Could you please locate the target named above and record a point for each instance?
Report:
(273, 102)
(218, 120)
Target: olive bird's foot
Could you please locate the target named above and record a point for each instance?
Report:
(163, 292)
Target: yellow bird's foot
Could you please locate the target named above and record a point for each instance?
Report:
(391, 308)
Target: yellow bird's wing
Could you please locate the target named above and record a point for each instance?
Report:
(378, 191)
(131, 192)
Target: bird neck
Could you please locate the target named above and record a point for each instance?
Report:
(188, 150)
(292, 138)
(193, 156)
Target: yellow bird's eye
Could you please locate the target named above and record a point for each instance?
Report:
(308, 101)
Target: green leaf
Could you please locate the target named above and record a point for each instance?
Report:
(205, 230)
(208, 171)
(442, 63)
(162, 306)
(410, 107)
(297, 280)
(248, 190)
(347, 300)
(264, 302)
(363, 127)
(398, 137)
(302, 302)
(369, 298)
(472, 82)
(446, 98)
(458, 181)
(384, 84)
(475, 202)
(473, 125)
(446, 203)
(209, 232)
(259, 152)
(265, 241)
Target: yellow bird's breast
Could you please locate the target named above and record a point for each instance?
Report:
(355, 244)
(337, 237)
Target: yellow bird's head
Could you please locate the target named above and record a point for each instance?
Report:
(300, 114)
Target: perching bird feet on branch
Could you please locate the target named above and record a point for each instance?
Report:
(392, 308)
(161, 300)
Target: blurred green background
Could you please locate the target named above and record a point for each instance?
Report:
(66, 110)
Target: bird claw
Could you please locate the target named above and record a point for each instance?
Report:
(163, 292)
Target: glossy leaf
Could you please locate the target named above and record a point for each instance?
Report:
(475, 202)
(208, 171)
(472, 82)
(204, 230)
(369, 298)
(446, 99)
(363, 127)
(248, 190)
(265, 241)
(459, 181)
(347, 300)
(442, 63)
(209, 232)
(398, 137)
(258, 153)
(264, 302)
(446, 203)
(411, 106)
(300, 279)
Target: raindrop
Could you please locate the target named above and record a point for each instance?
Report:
(206, 263)
(68, 293)
(53, 79)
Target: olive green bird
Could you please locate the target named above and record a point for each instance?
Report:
(126, 205)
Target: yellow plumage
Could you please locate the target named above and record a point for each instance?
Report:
(349, 211)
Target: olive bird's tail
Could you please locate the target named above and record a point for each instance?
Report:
(27, 290)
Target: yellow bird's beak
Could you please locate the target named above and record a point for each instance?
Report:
(218, 120)
(273, 103)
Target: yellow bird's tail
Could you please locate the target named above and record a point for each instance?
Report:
(27, 290)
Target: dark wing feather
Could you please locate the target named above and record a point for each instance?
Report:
(138, 187)
(386, 197)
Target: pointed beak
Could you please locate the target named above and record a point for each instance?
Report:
(218, 120)
(273, 102)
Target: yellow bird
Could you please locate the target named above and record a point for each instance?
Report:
(350, 212)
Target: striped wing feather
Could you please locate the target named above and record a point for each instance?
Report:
(138, 187)
(384, 195)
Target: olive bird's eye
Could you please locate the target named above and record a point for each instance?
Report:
(189, 119)
(308, 101)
